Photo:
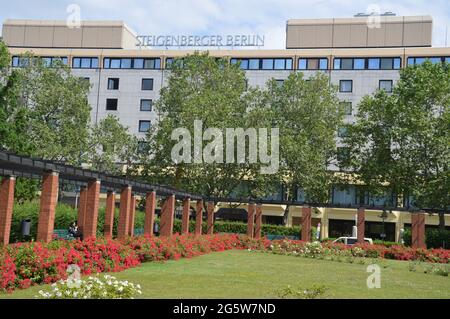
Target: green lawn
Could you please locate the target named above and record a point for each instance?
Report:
(244, 274)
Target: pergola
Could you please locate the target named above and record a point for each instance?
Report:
(90, 182)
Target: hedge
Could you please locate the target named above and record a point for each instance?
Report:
(65, 215)
(434, 238)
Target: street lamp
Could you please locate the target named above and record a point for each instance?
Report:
(383, 216)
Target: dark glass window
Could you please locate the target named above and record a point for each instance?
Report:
(386, 85)
(345, 86)
(111, 104)
(374, 64)
(267, 64)
(279, 64)
(342, 132)
(146, 105)
(147, 84)
(113, 84)
(343, 156)
(114, 63)
(253, 64)
(346, 107)
(85, 63)
(125, 64)
(386, 64)
(346, 64)
(138, 64)
(144, 126)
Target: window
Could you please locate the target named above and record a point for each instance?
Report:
(147, 85)
(19, 62)
(85, 63)
(346, 107)
(359, 64)
(111, 104)
(142, 146)
(447, 60)
(374, 64)
(144, 126)
(386, 85)
(267, 64)
(263, 64)
(113, 84)
(138, 64)
(253, 64)
(345, 86)
(343, 156)
(346, 64)
(279, 83)
(342, 132)
(312, 64)
(420, 60)
(146, 105)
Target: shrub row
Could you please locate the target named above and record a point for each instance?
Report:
(65, 215)
(434, 238)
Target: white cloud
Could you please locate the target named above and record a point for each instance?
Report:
(266, 17)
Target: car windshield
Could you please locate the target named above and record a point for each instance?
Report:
(351, 241)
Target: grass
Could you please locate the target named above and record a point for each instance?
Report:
(244, 274)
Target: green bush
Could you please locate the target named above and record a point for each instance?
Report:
(385, 243)
(434, 238)
(65, 215)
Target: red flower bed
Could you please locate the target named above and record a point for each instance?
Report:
(397, 252)
(26, 264)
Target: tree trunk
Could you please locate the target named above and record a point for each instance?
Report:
(286, 215)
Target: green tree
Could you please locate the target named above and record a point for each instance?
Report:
(111, 146)
(210, 90)
(401, 141)
(308, 114)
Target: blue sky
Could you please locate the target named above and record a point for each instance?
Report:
(267, 17)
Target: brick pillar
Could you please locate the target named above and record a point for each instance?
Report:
(6, 207)
(124, 212)
(82, 208)
(132, 215)
(258, 221)
(167, 215)
(418, 230)
(49, 198)
(250, 220)
(109, 214)
(198, 217)
(150, 204)
(91, 215)
(210, 218)
(360, 224)
(306, 224)
(185, 218)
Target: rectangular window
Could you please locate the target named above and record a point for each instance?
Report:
(386, 85)
(346, 107)
(386, 64)
(343, 156)
(374, 64)
(267, 64)
(447, 60)
(342, 132)
(345, 86)
(111, 104)
(114, 63)
(337, 64)
(397, 63)
(288, 64)
(146, 105)
(85, 63)
(313, 64)
(253, 64)
(279, 64)
(279, 82)
(244, 64)
(147, 85)
(346, 64)
(323, 64)
(113, 84)
(138, 64)
(302, 63)
(125, 64)
(144, 126)
(359, 64)
(411, 61)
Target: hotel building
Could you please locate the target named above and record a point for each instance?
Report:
(358, 57)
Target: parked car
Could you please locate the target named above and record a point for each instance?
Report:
(352, 240)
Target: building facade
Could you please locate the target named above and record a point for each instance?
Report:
(359, 57)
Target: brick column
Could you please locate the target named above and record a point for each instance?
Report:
(150, 204)
(124, 212)
(6, 207)
(306, 224)
(198, 217)
(167, 215)
(360, 224)
(91, 215)
(132, 215)
(418, 230)
(210, 218)
(185, 218)
(49, 198)
(258, 221)
(109, 214)
(82, 208)
(250, 220)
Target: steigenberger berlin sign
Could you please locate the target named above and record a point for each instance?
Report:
(200, 41)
